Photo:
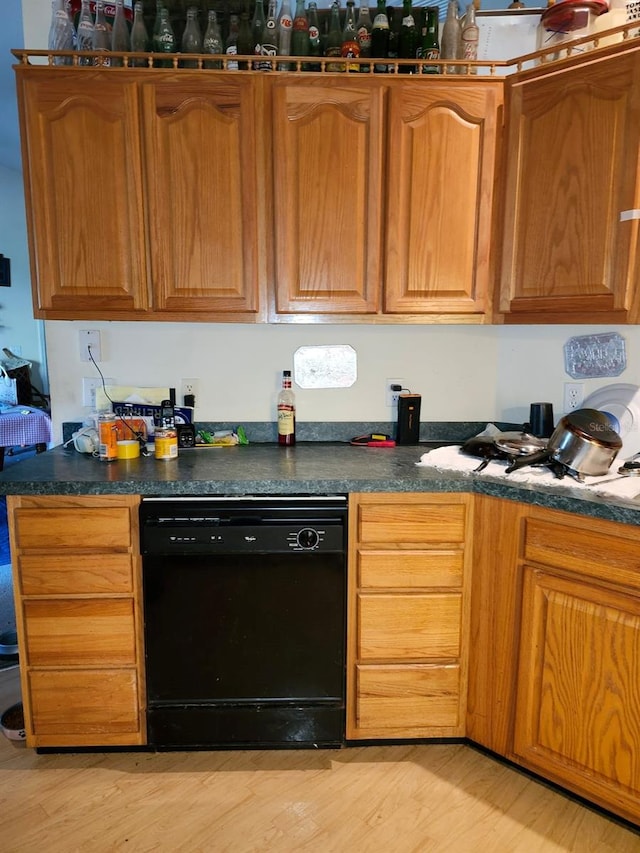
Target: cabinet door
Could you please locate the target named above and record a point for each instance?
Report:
(327, 170)
(572, 194)
(83, 191)
(202, 138)
(578, 702)
(440, 190)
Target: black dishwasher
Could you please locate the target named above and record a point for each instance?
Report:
(244, 621)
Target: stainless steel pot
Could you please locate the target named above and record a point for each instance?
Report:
(583, 440)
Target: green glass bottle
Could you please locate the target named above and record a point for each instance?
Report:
(408, 41)
(380, 37)
(300, 33)
(431, 42)
(334, 39)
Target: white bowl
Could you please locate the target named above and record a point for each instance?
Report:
(12, 724)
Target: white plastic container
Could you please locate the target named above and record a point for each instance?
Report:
(566, 22)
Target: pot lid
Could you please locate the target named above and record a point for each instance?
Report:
(593, 425)
(519, 443)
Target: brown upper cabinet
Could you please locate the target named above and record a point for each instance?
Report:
(142, 194)
(182, 194)
(569, 248)
(383, 198)
(169, 194)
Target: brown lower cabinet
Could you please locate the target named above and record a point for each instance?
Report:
(78, 612)
(513, 625)
(555, 648)
(409, 561)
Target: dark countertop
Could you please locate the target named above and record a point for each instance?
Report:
(308, 468)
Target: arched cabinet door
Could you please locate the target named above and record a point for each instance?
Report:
(440, 195)
(202, 138)
(569, 246)
(83, 188)
(327, 196)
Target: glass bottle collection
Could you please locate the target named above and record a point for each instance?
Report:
(414, 33)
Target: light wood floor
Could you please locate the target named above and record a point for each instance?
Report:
(392, 799)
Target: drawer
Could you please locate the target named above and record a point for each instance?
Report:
(59, 574)
(83, 701)
(411, 524)
(586, 549)
(418, 696)
(80, 632)
(409, 627)
(73, 529)
(410, 570)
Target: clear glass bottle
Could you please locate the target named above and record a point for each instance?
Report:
(164, 39)
(286, 412)
(269, 46)
(300, 33)
(350, 48)
(84, 34)
(334, 38)
(431, 42)
(191, 38)
(139, 35)
(469, 36)
(101, 34)
(450, 41)
(380, 37)
(257, 28)
(315, 38)
(212, 41)
(285, 25)
(231, 44)
(364, 27)
(120, 40)
(408, 39)
(62, 34)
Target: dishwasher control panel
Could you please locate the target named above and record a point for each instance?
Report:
(236, 528)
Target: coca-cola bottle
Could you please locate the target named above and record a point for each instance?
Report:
(62, 34)
(212, 41)
(84, 33)
(164, 39)
(101, 35)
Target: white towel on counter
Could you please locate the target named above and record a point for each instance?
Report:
(452, 458)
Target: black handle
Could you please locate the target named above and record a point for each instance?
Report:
(530, 459)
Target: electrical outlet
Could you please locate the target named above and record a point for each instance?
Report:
(391, 397)
(89, 387)
(90, 340)
(573, 396)
(189, 386)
